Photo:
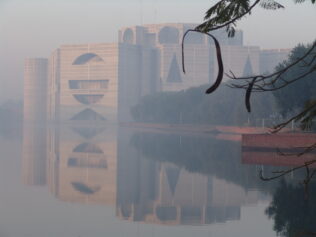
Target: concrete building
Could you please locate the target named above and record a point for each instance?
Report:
(199, 52)
(83, 82)
(270, 58)
(35, 89)
(241, 60)
(94, 83)
(87, 82)
(35, 115)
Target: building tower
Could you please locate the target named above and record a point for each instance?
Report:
(35, 111)
(35, 89)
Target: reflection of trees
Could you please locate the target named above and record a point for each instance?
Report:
(11, 119)
(293, 215)
(201, 154)
(306, 181)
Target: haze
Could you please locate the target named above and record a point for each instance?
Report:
(34, 28)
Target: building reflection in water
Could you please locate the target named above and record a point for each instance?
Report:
(102, 166)
(77, 167)
(34, 158)
(82, 165)
(162, 193)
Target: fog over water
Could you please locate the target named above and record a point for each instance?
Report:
(141, 182)
(36, 205)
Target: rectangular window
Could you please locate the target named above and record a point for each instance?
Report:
(88, 84)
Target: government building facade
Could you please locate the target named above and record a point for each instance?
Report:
(102, 82)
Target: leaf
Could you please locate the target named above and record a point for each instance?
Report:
(307, 116)
(271, 5)
(222, 13)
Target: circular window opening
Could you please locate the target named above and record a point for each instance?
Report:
(128, 36)
(168, 35)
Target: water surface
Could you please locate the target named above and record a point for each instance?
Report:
(109, 181)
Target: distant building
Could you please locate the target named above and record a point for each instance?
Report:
(93, 83)
(35, 89)
(85, 81)
(199, 52)
(35, 115)
(240, 60)
(270, 58)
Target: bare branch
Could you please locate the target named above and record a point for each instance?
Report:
(305, 151)
(306, 164)
(279, 73)
(282, 125)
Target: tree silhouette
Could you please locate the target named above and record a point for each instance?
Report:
(293, 215)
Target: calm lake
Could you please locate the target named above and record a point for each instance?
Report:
(114, 181)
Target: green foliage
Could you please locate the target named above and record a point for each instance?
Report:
(225, 13)
(224, 107)
(301, 93)
(291, 212)
(306, 118)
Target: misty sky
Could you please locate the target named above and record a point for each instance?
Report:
(33, 28)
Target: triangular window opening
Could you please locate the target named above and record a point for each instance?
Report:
(247, 68)
(174, 71)
(172, 177)
(88, 114)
